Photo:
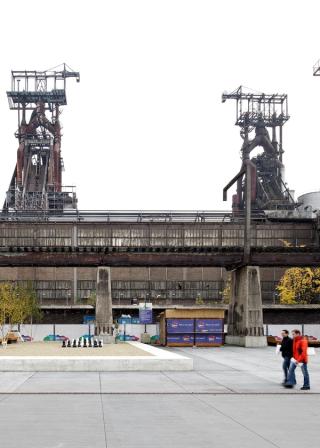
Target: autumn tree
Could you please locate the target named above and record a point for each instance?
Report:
(6, 293)
(199, 300)
(299, 286)
(226, 292)
(18, 305)
(92, 299)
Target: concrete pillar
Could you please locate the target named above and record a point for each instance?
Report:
(245, 319)
(74, 287)
(104, 318)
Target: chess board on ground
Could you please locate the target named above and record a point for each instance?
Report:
(22, 349)
(123, 357)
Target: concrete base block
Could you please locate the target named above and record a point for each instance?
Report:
(247, 341)
(159, 360)
(107, 338)
(145, 338)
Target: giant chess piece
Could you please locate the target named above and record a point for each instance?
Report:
(100, 343)
(69, 343)
(74, 343)
(95, 343)
(85, 343)
(90, 343)
(63, 344)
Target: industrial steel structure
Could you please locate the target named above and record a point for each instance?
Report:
(173, 258)
(36, 183)
(256, 112)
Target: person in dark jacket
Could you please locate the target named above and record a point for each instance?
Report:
(286, 352)
(300, 357)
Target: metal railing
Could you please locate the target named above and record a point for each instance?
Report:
(128, 216)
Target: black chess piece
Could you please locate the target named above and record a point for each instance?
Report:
(95, 343)
(85, 343)
(79, 342)
(63, 344)
(90, 343)
(100, 343)
(74, 343)
(69, 343)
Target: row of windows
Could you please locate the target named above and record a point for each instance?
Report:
(166, 295)
(155, 242)
(123, 237)
(23, 241)
(48, 290)
(35, 232)
(136, 285)
(167, 285)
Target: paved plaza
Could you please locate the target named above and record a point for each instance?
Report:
(233, 398)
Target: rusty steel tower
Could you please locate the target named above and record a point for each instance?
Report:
(36, 182)
(256, 113)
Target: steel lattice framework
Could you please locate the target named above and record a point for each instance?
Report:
(36, 183)
(257, 112)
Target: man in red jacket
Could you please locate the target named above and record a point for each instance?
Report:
(300, 357)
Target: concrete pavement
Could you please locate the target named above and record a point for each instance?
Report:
(233, 398)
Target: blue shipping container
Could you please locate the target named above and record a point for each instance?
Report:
(180, 326)
(209, 325)
(180, 339)
(208, 338)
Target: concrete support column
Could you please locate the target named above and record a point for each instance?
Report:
(245, 319)
(104, 318)
(74, 288)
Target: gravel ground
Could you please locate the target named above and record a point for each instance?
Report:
(55, 349)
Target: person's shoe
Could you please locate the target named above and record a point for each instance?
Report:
(305, 388)
(288, 386)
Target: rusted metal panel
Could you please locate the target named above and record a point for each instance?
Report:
(117, 259)
(228, 259)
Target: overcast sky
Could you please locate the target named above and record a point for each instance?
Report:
(145, 128)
